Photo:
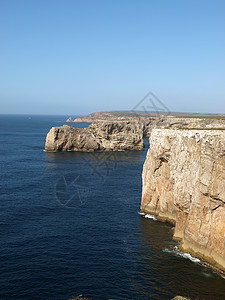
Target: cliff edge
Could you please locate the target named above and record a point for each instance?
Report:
(184, 183)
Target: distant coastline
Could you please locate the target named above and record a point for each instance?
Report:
(109, 115)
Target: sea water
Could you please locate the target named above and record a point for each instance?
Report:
(70, 225)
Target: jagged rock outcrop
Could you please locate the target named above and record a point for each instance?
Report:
(184, 183)
(99, 136)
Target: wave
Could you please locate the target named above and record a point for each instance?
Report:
(47, 151)
(147, 216)
(177, 252)
(141, 213)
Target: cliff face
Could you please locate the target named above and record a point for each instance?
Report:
(151, 120)
(99, 136)
(184, 182)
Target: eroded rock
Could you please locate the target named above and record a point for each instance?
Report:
(99, 136)
(184, 183)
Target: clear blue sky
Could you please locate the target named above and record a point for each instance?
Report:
(79, 56)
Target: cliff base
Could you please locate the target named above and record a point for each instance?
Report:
(184, 183)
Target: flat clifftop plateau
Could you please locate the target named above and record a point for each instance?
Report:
(150, 120)
(109, 115)
(171, 121)
(184, 183)
(99, 136)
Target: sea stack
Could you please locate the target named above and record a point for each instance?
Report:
(101, 135)
(184, 183)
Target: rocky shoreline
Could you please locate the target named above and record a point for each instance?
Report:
(120, 133)
(184, 183)
(183, 174)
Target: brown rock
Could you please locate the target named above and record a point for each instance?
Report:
(184, 182)
(99, 136)
(83, 120)
(69, 120)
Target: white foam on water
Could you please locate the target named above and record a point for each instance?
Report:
(49, 151)
(189, 256)
(205, 274)
(141, 213)
(177, 252)
(147, 216)
(168, 251)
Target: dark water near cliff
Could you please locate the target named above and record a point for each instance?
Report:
(69, 224)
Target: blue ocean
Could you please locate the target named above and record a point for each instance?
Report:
(70, 225)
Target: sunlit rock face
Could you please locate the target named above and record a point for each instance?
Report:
(99, 136)
(184, 183)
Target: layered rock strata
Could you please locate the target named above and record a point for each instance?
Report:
(184, 183)
(99, 136)
(151, 121)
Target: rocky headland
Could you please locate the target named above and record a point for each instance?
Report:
(183, 174)
(150, 121)
(107, 115)
(99, 136)
(184, 183)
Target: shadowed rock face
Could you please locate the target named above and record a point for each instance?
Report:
(184, 183)
(99, 136)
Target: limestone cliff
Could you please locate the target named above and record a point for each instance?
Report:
(184, 183)
(99, 136)
(150, 121)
